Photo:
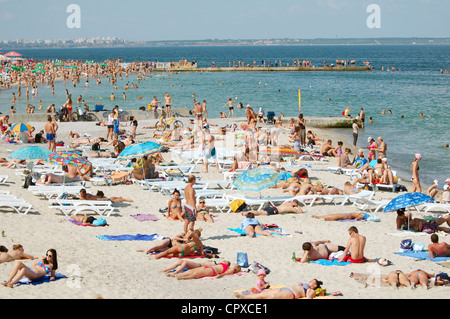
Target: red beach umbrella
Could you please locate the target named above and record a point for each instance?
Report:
(13, 54)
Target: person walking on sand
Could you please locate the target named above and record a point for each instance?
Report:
(354, 251)
(50, 129)
(190, 211)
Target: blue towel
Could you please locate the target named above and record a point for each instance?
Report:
(45, 279)
(422, 255)
(333, 262)
(129, 237)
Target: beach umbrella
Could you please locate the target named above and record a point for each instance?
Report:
(39, 65)
(73, 67)
(140, 150)
(31, 152)
(21, 127)
(13, 54)
(407, 200)
(59, 63)
(16, 68)
(257, 179)
(67, 158)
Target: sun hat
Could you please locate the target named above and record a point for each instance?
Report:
(435, 182)
(369, 139)
(261, 272)
(418, 156)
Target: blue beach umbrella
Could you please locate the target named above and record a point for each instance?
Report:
(407, 200)
(30, 153)
(257, 179)
(140, 150)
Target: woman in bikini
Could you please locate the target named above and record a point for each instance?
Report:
(17, 253)
(302, 290)
(203, 212)
(397, 278)
(175, 210)
(183, 264)
(217, 271)
(251, 226)
(166, 244)
(419, 277)
(41, 267)
(193, 246)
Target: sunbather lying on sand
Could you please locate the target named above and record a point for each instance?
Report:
(100, 196)
(302, 290)
(182, 264)
(316, 250)
(285, 208)
(166, 244)
(16, 253)
(193, 246)
(217, 271)
(343, 216)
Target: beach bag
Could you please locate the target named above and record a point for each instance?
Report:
(406, 245)
(95, 147)
(430, 227)
(99, 222)
(441, 279)
(236, 205)
(210, 250)
(255, 267)
(320, 292)
(418, 247)
(242, 259)
(28, 182)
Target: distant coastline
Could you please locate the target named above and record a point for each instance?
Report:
(100, 43)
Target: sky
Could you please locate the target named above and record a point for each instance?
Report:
(159, 20)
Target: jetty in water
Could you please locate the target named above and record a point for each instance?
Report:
(268, 69)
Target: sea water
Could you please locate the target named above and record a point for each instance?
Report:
(416, 86)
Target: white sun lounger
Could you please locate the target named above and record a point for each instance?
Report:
(371, 205)
(103, 208)
(20, 206)
(54, 191)
(436, 206)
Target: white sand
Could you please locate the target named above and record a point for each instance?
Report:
(115, 270)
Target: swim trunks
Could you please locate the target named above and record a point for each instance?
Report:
(50, 137)
(349, 259)
(211, 153)
(271, 210)
(189, 212)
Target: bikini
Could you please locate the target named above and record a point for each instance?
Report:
(224, 266)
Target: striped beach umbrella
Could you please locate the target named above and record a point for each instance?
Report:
(67, 158)
(257, 179)
(140, 150)
(21, 127)
(31, 152)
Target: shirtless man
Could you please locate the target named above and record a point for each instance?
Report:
(382, 147)
(230, 106)
(198, 109)
(327, 149)
(204, 110)
(354, 248)
(50, 129)
(191, 204)
(319, 250)
(437, 249)
(155, 104)
(285, 208)
(168, 101)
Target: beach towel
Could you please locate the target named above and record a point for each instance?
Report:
(145, 217)
(73, 221)
(333, 262)
(183, 257)
(45, 279)
(130, 237)
(274, 231)
(422, 255)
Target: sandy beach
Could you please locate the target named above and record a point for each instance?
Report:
(115, 270)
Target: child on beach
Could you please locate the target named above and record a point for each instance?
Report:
(261, 284)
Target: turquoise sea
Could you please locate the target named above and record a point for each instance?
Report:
(419, 87)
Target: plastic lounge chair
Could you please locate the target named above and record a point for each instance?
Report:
(436, 206)
(21, 206)
(103, 208)
(372, 206)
